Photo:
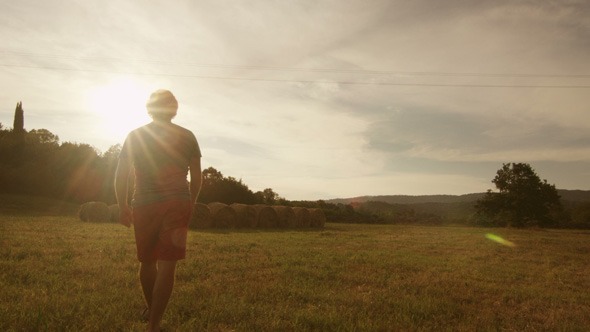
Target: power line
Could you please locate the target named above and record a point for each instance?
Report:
(308, 81)
(298, 69)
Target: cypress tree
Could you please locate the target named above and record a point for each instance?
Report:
(18, 130)
(19, 118)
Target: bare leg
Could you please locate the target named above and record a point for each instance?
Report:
(161, 293)
(147, 276)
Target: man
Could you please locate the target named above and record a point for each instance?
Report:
(161, 154)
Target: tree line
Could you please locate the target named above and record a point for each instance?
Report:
(36, 163)
(521, 199)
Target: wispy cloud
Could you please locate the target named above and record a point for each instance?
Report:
(282, 111)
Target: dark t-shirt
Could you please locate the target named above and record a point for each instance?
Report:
(161, 154)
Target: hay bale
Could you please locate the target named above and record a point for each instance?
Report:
(83, 212)
(201, 218)
(223, 216)
(287, 218)
(267, 217)
(318, 218)
(246, 215)
(114, 213)
(302, 216)
(94, 212)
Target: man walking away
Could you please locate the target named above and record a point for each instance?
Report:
(160, 154)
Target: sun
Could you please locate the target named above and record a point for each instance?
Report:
(120, 106)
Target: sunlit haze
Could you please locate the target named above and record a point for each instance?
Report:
(318, 99)
(119, 106)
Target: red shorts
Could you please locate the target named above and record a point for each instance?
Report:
(161, 229)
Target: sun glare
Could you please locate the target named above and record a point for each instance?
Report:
(120, 106)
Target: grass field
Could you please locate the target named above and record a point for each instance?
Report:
(60, 274)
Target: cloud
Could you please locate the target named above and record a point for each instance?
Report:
(474, 137)
(308, 132)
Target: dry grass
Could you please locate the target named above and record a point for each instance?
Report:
(59, 274)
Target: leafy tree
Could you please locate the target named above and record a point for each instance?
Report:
(112, 154)
(211, 176)
(3, 133)
(42, 136)
(217, 188)
(522, 199)
(268, 196)
(108, 166)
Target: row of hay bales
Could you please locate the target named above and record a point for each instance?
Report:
(219, 215)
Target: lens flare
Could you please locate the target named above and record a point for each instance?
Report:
(500, 240)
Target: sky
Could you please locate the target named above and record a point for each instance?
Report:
(317, 99)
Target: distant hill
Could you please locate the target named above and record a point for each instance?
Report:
(566, 195)
(574, 195)
(407, 199)
(447, 209)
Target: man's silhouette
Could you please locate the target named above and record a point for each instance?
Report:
(160, 154)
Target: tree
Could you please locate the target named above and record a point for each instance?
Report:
(3, 132)
(112, 153)
(211, 175)
(522, 199)
(42, 136)
(108, 165)
(78, 172)
(19, 118)
(228, 190)
(18, 130)
(269, 196)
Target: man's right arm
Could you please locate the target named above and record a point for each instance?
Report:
(121, 190)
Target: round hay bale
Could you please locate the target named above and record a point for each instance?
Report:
(302, 216)
(318, 218)
(114, 213)
(94, 212)
(201, 217)
(83, 212)
(223, 216)
(246, 215)
(266, 215)
(287, 218)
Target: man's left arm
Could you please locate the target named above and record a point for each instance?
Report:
(196, 178)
